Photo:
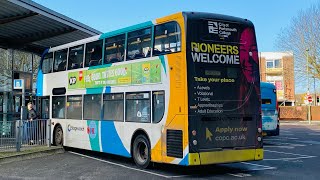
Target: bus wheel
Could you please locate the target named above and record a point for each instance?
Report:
(141, 151)
(58, 136)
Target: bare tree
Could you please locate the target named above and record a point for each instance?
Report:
(303, 38)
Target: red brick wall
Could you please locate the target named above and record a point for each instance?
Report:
(299, 113)
(288, 77)
(293, 112)
(262, 69)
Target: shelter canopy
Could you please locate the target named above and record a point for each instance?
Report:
(28, 26)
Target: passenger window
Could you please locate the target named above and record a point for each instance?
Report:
(92, 107)
(93, 53)
(139, 43)
(158, 106)
(114, 51)
(74, 107)
(113, 108)
(167, 38)
(60, 60)
(58, 107)
(47, 63)
(138, 107)
(75, 57)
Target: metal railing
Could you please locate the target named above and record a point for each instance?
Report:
(17, 134)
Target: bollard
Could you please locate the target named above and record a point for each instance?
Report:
(48, 133)
(18, 136)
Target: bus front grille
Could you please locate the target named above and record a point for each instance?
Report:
(174, 143)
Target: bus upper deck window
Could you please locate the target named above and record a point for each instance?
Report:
(114, 49)
(139, 43)
(47, 63)
(60, 60)
(93, 53)
(167, 38)
(75, 59)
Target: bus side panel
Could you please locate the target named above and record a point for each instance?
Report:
(177, 111)
(74, 133)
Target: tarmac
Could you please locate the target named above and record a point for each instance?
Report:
(41, 151)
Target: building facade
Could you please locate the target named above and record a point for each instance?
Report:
(278, 69)
(16, 64)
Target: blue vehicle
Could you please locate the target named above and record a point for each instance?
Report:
(269, 108)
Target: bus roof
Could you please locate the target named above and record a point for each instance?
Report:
(199, 15)
(267, 85)
(187, 15)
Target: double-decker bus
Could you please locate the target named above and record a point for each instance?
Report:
(269, 108)
(182, 89)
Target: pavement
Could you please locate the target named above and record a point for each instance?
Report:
(8, 156)
(297, 122)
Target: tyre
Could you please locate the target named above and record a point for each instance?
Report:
(58, 136)
(141, 151)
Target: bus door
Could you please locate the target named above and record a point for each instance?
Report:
(43, 107)
(17, 103)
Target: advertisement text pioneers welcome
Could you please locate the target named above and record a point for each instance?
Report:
(214, 53)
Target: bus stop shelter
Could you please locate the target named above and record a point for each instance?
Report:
(28, 26)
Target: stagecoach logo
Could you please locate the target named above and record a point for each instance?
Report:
(92, 130)
(72, 80)
(72, 128)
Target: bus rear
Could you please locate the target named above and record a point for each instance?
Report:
(270, 115)
(223, 90)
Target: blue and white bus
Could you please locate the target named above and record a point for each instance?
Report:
(269, 108)
(163, 91)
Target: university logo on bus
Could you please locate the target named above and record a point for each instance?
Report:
(222, 29)
(213, 27)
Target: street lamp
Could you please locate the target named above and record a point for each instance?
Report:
(309, 108)
(308, 70)
(315, 93)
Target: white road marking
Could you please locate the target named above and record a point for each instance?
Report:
(127, 167)
(310, 142)
(263, 169)
(285, 159)
(256, 164)
(179, 176)
(285, 153)
(284, 144)
(314, 134)
(267, 140)
(281, 139)
(288, 134)
(285, 131)
(301, 156)
(260, 167)
(241, 175)
(286, 147)
(292, 138)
